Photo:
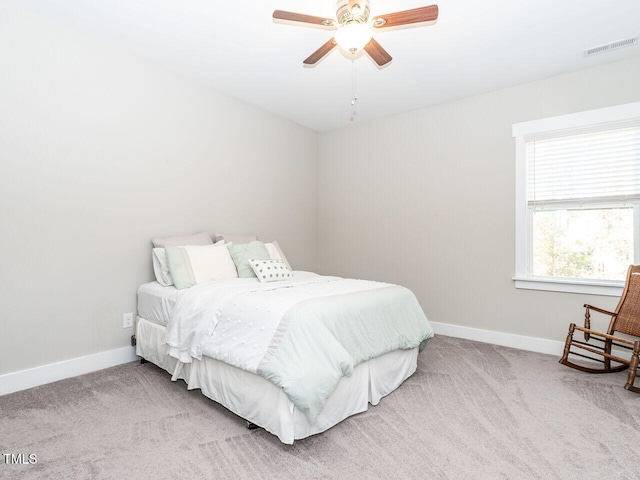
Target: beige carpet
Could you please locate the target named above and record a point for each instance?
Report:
(471, 411)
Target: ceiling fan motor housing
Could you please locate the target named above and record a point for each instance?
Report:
(349, 11)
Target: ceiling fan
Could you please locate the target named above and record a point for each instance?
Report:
(355, 30)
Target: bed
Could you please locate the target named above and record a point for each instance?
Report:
(294, 356)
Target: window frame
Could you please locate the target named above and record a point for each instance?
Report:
(523, 277)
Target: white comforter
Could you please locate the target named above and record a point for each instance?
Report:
(235, 320)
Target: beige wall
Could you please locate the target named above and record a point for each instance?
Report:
(100, 151)
(426, 199)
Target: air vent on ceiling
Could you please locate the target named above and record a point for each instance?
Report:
(625, 42)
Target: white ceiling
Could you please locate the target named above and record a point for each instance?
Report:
(474, 47)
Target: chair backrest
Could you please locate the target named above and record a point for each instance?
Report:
(628, 319)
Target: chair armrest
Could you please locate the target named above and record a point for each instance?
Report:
(606, 336)
(591, 307)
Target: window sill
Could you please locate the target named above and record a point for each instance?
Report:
(590, 287)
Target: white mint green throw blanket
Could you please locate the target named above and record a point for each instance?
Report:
(303, 335)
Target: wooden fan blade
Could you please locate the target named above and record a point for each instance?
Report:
(377, 53)
(300, 18)
(316, 56)
(406, 17)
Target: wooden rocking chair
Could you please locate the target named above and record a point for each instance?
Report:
(626, 320)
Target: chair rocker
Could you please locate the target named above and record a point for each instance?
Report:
(624, 320)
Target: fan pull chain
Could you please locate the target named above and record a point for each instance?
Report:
(354, 94)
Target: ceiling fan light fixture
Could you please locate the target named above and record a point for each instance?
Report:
(353, 36)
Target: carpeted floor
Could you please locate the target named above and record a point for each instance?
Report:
(471, 411)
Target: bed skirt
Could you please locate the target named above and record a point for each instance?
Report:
(259, 401)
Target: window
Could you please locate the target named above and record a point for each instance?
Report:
(578, 200)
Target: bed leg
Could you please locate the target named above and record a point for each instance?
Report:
(143, 361)
(251, 426)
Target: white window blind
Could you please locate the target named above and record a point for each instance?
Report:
(577, 200)
(599, 166)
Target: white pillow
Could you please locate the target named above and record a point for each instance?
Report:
(161, 267)
(275, 253)
(270, 270)
(211, 262)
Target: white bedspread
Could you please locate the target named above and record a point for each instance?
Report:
(235, 320)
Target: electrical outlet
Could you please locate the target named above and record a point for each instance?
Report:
(127, 320)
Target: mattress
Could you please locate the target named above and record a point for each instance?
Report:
(156, 302)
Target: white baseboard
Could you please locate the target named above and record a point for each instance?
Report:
(33, 377)
(532, 344)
